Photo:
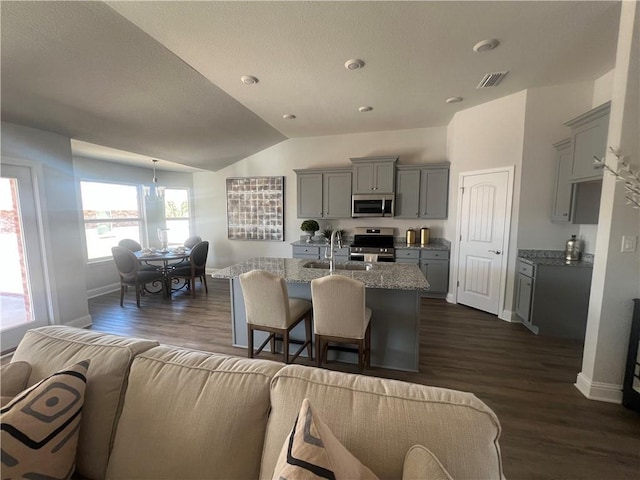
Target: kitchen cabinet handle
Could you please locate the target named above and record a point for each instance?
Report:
(497, 252)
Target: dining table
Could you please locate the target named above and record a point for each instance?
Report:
(164, 261)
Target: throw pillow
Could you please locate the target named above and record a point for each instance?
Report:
(13, 379)
(311, 451)
(39, 427)
(421, 463)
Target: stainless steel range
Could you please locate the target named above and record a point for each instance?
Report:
(372, 245)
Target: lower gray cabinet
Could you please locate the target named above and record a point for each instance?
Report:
(434, 265)
(553, 299)
(317, 252)
(310, 252)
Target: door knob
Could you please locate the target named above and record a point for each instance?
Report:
(497, 252)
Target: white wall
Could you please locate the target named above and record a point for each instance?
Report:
(488, 136)
(602, 88)
(49, 155)
(422, 145)
(616, 275)
(546, 111)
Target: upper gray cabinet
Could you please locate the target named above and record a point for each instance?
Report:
(324, 193)
(561, 212)
(422, 191)
(374, 174)
(588, 139)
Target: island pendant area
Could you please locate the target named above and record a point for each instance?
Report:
(393, 293)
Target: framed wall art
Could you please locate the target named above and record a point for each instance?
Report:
(255, 208)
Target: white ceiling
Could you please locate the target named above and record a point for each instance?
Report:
(162, 79)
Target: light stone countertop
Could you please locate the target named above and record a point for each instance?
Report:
(389, 276)
(553, 258)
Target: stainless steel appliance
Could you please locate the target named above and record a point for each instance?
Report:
(372, 244)
(376, 205)
(573, 251)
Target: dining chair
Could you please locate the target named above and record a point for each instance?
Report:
(131, 244)
(192, 241)
(270, 309)
(195, 268)
(130, 273)
(340, 315)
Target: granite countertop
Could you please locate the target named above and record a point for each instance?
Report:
(389, 276)
(316, 243)
(553, 258)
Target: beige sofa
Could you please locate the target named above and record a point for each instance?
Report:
(162, 412)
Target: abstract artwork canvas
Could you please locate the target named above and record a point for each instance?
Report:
(255, 208)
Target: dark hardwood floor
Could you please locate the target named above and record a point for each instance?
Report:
(550, 430)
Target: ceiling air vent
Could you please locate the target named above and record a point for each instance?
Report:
(492, 79)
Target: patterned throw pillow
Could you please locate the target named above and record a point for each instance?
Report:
(311, 451)
(13, 379)
(40, 426)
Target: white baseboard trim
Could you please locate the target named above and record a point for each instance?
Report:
(450, 298)
(509, 316)
(82, 322)
(602, 392)
(97, 292)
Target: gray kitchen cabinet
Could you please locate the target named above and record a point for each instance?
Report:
(317, 252)
(434, 265)
(553, 298)
(562, 194)
(588, 139)
(311, 252)
(324, 193)
(435, 268)
(524, 292)
(407, 203)
(407, 255)
(422, 191)
(374, 174)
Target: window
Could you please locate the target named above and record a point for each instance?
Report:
(176, 211)
(111, 212)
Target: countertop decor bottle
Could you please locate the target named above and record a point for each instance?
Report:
(424, 236)
(572, 251)
(411, 236)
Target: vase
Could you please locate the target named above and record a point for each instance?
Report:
(311, 235)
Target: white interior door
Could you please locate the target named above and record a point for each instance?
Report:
(23, 298)
(485, 213)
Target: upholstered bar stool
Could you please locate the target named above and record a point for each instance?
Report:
(341, 316)
(269, 308)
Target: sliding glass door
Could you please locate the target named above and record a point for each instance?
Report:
(23, 296)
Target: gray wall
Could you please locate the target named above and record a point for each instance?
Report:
(49, 156)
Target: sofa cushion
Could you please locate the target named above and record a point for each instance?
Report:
(192, 415)
(311, 451)
(13, 379)
(40, 426)
(421, 463)
(49, 349)
(378, 420)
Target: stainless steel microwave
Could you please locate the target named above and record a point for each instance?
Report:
(367, 205)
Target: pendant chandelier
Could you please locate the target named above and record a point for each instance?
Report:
(154, 191)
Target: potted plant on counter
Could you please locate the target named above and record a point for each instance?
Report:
(310, 227)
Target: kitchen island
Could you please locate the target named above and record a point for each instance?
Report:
(393, 294)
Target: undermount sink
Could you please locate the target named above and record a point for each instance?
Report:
(339, 266)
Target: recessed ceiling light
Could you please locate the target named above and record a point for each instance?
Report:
(248, 80)
(453, 99)
(485, 45)
(365, 109)
(354, 64)
(288, 116)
